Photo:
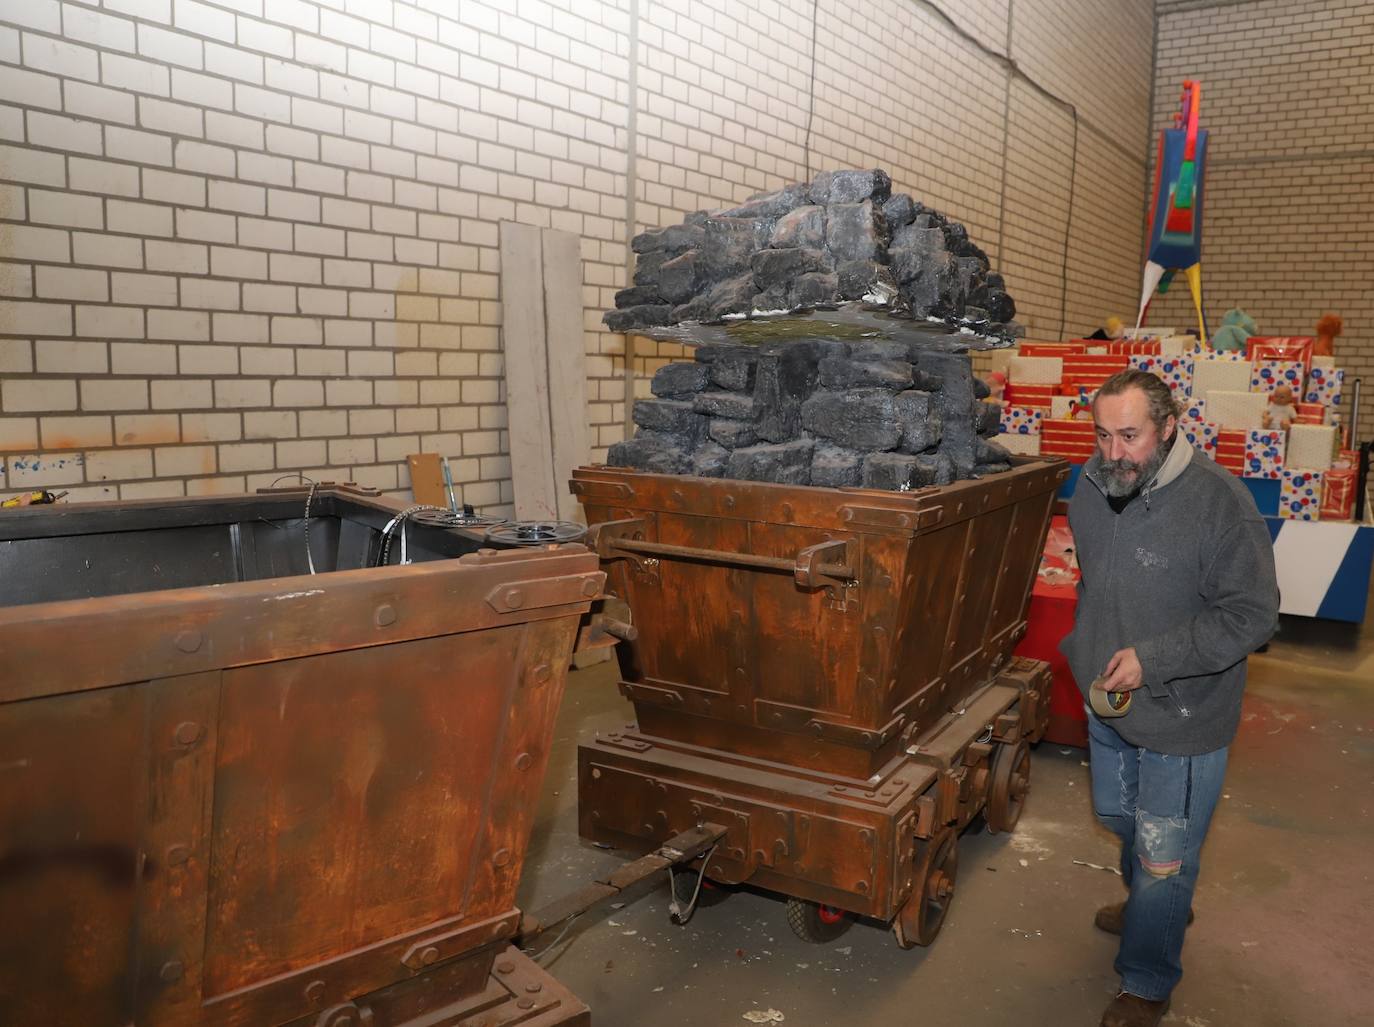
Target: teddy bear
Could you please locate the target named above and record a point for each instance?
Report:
(1328, 327)
(1236, 327)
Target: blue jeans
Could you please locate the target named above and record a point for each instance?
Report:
(1160, 807)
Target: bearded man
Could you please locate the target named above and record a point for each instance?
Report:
(1178, 589)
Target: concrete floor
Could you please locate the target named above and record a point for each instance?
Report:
(1284, 905)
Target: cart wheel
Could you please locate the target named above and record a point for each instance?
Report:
(712, 894)
(1010, 783)
(937, 866)
(818, 924)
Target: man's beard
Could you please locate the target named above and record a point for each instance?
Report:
(1126, 477)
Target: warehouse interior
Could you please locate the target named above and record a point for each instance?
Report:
(483, 483)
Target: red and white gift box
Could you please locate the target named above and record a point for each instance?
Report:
(1076, 441)
(1023, 395)
(1268, 375)
(1231, 449)
(1092, 369)
(1280, 347)
(1310, 413)
(1338, 494)
(1022, 420)
(1202, 436)
(1324, 385)
(1133, 347)
(1263, 453)
(1300, 494)
(1052, 349)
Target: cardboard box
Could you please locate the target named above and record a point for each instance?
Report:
(1202, 436)
(1022, 420)
(1268, 375)
(1300, 494)
(1236, 409)
(1022, 370)
(1263, 453)
(1312, 445)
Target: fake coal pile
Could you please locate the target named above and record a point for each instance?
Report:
(880, 414)
(843, 236)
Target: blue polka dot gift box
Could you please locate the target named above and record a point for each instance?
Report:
(1264, 453)
(1300, 494)
(1267, 375)
(1022, 420)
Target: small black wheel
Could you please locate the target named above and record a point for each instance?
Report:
(711, 894)
(817, 923)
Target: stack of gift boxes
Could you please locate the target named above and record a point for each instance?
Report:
(1223, 396)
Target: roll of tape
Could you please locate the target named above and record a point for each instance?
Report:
(1109, 704)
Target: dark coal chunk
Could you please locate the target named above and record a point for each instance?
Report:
(857, 186)
(854, 418)
(651, 451)
(813, 349)
(899, 210)
(734, 371)
(728, 246)
(920, 419)
(987, 418)
(818, 191)
(802, 228)
(780, 267)
(647, 265)
(631, 318)
(855, 231)
(710, 460)
(954, 402)
(982, 469)
(980, 389)
(670, 416)
(638, 296)
(778, 297)
(678, 278)
(991, 453)
(674, 239)
(836, 467)
(970, 273)
(732, 434)
(698, 308)
(734, 405)
(786, 377)
(899, 472)
(858, 278)
(815, 289)
(648, 242)
(914, 250)
(678, 379)
(786, 463)
(1000, 306)
(712, 351)
(843, 373)
(879, 349)
(732, 296)
(769, 205)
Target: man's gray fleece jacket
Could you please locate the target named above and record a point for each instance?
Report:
(1185, 574)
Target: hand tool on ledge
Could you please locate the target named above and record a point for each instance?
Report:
(40, 497)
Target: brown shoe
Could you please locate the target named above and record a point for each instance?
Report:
(1109, 918)
(1129, 1010)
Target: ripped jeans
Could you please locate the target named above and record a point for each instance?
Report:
(1160, 807)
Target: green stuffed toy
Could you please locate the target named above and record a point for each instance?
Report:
(1236, 327)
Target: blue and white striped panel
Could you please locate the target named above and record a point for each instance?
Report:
(1323, 568)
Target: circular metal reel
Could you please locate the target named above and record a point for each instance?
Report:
(1010, 783)
(536, 533)
(439, 518)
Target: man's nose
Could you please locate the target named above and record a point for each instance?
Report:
(1118, 449)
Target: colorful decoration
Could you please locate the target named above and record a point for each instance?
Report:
(1022, 420)
(1176, 371)
(1201, 435)
(1300, 494)
(1175, 222)
(1266, 374)
(1324, 385)
(1195, 410)
(1263, 453)
(1338, 494)
(1092, 369)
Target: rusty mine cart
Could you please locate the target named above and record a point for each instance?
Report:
(823, 679)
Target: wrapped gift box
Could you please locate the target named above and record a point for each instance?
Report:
(1263, 453)
(1177, 345)
(1133, 347)
(1312, 445)
(1300, 493)
(1231, 449)
(1022, 420)
(1338, 494)
(1194, 409)
(1226, 356)
(1280, 347)
(1149, 332)
(1310, 413)
(1035, 370)
(1211, 374)
(1061, 406)
(1201, 435)
(1267, 375)
(1176, 371)
(1052, 349)
(1236, 409)
(1029, 395)
(1073, 440)
(1323, 385)
(1092, 369)
(1025, 445)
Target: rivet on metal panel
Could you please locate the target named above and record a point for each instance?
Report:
(861, 887)
(729, 502)
(314, 992)
(526, 1003)
(505, 967)
(177, 855)
(187, 733)
(959, 508)
(596, 773)
(485, 551)
(534, 987)
(847, 514)
(541, 673)
(760, 855)
(524, 761)
(189, 641)
(429, 955)
(501, 858)
(866, 737)
(514, 598)
(171, 970)
(590, 587)
(384, 615)
(737, 854)
(678, 497)
(903, 521)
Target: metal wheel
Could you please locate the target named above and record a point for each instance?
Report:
(536, 533)
(816, 923)
(937, 866)
(1010, 783)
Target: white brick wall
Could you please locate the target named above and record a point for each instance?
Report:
(240, 239)
(1290, 175)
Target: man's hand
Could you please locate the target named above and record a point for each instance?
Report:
(1123, 672)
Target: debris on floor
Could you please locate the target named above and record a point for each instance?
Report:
(1097, 866)
(764, 1016)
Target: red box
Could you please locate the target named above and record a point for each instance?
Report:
(1051, 349)
(1133, 347)
(1075, 441)
(1310, 413)
(1092, 369)
(1280, 347)
(1231, 449)
(1028, 395)
(1338, 494)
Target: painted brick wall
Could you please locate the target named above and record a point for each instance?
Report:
(1290, 176)
(243, 239)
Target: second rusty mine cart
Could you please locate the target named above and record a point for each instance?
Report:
(827, 674)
